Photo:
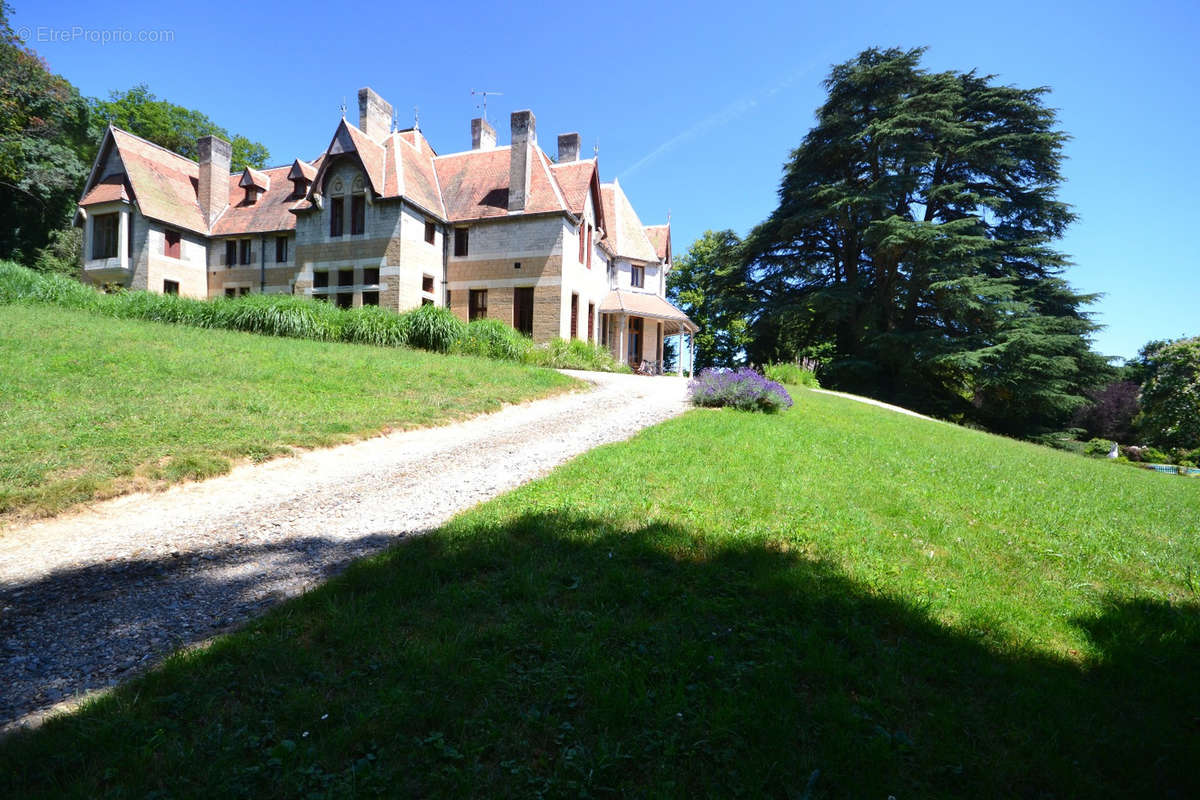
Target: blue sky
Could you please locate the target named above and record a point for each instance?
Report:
(695, 107)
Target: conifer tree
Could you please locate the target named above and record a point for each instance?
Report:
(915, 239)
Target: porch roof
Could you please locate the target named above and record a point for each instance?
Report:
(640, 304)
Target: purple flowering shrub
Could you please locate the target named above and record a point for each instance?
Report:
(741, 388)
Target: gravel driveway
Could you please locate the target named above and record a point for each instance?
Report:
(92, 597)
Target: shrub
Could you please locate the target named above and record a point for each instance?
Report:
(791, 373)
(1147, 455)
(1098, 447)
(744, 389)
(433, 328)
(491, 338)
(377, 326)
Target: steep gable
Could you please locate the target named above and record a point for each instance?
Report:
(623, 231)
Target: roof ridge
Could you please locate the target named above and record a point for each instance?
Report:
(471, 152)
(562, 203)
(166, 150)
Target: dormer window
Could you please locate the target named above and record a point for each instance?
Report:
(301, 175)
(255, 183)
(637, 277)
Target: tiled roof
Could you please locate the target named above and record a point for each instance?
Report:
(302, 169)
(255, 178)
(270, 212)
(370, 152)
(163, 183)
(641, 304)
(416, 175)
(475, 184)
(622, 228)
(575, 179)
(458, 187)
(109, 190)
(660, 240)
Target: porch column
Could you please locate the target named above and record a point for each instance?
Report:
(692, 355)
(622, 352)
(679, 355)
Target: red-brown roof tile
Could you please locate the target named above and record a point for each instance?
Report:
(575, 179)
(163, 183)
(643, 304)
(475, 184)
(660, 240)
(109, 190)
(269, 212)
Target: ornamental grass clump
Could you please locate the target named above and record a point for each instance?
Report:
(491, 338)
(433, 328)
(744, 389)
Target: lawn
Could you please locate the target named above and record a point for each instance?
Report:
(835, 601)
(91, 407)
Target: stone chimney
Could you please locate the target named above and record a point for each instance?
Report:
(212, 189)
(524, 139)
(374, 114)
(568, 147)
(483, 135)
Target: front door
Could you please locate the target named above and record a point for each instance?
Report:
(634, 356)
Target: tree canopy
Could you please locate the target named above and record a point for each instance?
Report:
(43, 137)
(1170, 399)
(175, 127)
(711, 283)
(49, 134)
(914, 242)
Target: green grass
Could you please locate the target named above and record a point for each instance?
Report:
(834, 601)
(91, 406)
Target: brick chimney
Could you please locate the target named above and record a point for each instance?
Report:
(483, 135)
(374, 114)
(568, 147)
(524, 139)
(212, 190)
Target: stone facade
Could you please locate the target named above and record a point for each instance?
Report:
(529, 222)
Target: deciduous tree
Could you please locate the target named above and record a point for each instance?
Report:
(710, 284)
(43, 130)
(1170, 415)
(175, 127)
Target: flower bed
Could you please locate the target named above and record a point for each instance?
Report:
(742, 388)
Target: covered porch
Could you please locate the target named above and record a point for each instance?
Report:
(635, 325)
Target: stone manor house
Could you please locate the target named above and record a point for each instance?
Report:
(380, 218)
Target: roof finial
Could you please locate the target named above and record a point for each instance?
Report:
(416, 118)
(484, 94)
(596, 149)
(343, 107)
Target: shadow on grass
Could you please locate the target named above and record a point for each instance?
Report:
(553, 655)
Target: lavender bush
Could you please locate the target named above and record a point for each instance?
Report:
(742, 388)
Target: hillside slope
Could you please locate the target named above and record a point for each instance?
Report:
(93, 406)
(836, 601)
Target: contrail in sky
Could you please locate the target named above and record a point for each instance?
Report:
(719, 118)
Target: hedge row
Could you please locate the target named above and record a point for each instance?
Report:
(425, 328)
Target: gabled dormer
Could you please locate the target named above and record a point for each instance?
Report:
(254, 184)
